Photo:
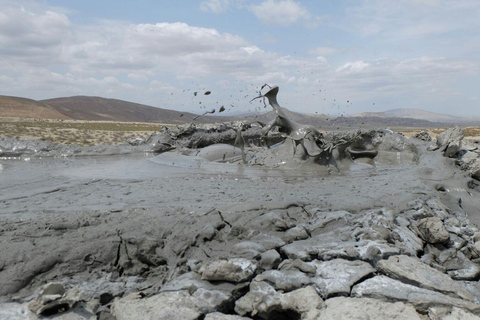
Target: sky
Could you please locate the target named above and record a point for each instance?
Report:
(327, 56)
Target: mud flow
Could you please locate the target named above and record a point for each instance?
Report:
(242, 221)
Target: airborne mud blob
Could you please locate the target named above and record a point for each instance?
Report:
(242, 221)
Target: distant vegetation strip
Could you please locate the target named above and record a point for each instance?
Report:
(98, 126)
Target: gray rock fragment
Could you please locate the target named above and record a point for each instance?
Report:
(192, 282)
(264, 302)
(422, 135)
(269, 260)
(413, 271)
(459, 314)
(295, 233)
(298, 264)
(450, 141)
(232, 270)
(471, 272)
(169, 305)
(52, 299)
(406, 240)
(365, 308)
(432, 230)
(286, 280)
(384, 288)
(340, 275)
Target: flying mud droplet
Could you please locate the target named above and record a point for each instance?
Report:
(195, 93)
(207, 93)
(222, 108)
(206, 112)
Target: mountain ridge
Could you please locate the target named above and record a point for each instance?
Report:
(418, 114)
(94, 108)
(17, 107)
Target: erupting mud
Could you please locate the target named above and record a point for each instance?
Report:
(242, 221)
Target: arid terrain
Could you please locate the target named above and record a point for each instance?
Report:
(75, 131)
(115, 132)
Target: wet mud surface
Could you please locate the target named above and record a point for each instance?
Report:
(314, 227)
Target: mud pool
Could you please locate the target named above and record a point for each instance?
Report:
(39, 187)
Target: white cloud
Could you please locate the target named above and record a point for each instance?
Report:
(412, 19)
(137, 77)
(353, 67)
(280, 12)
(252, 49)
(25, 34)
(411, 76)
(215, 6)
(323, 51)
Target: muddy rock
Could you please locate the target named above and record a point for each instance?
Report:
(423, 135)
(147, 252)
(387, 289)
(450, 141)
(192, 282)
(365, 308)
(297, 264)
(468, 271)
(295, 233)
(405, 239)
(286, 280)
(467, 159)
(457, 314)
(269, 260)
(432, 230)
(413, 271)
(475, 169)
(339, 275)
(170, 305)
(264, 302)
(53, 299)
(327, 228)
(231, 270)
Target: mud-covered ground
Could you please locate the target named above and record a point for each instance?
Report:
(169, 235)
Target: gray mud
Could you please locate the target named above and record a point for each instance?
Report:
(192, 232)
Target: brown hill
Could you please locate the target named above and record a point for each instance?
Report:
(102, 109)
(27, 108)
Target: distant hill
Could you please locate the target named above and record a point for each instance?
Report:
(27, 108)
(102, 109)
(419, 115)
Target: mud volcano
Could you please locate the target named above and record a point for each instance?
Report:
(242, 221)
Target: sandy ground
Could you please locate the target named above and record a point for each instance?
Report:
(75, 132)
(112, 133)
